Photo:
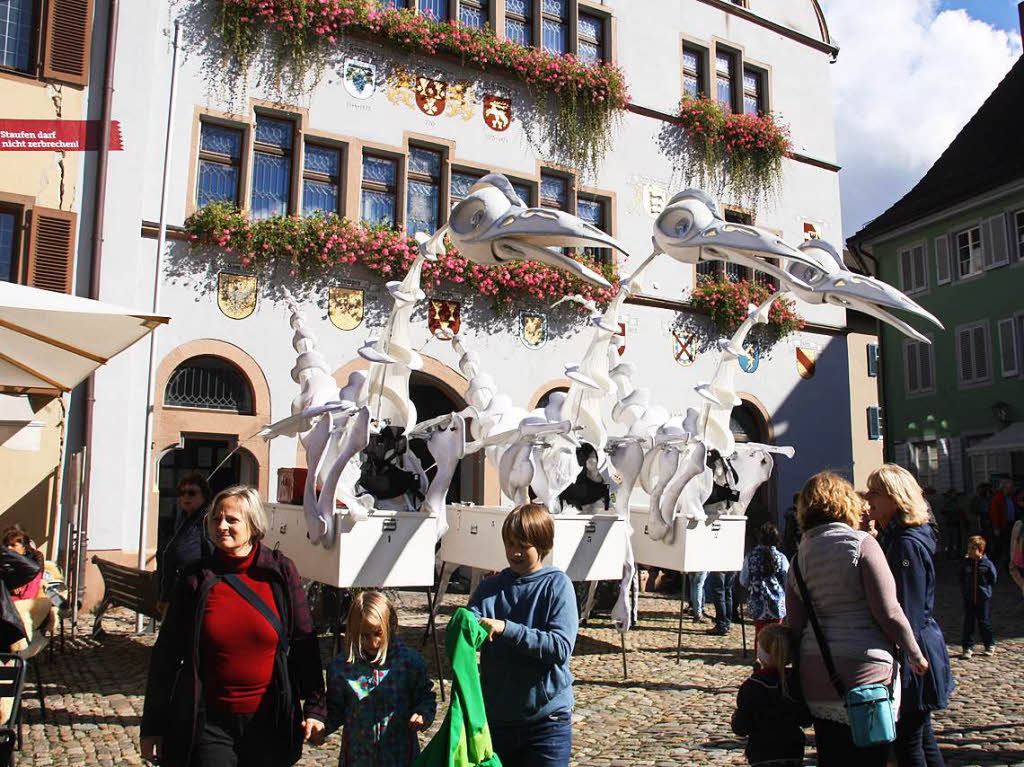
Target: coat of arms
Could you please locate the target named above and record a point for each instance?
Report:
(622, 336)
(431, 95)
(750, 361)
(806, 361)
(345, 307)
(533, 329)
(236, 295)
(497, 112)
(811, 231)
(360, 78)
(460, 100)
(684, 347)
(444, 318)
(400, 88)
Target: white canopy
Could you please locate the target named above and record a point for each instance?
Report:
(1008, 440)
(54, 341)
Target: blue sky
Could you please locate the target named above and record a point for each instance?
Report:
(909, 76)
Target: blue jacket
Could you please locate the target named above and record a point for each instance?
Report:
(525, 671)
(976, 579)
(189, 544)
(764, 576)
(909, 551)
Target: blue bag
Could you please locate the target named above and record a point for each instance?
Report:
(870, 708)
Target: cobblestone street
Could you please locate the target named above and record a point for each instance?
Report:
(665, 713)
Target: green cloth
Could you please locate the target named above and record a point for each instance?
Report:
(464, 739)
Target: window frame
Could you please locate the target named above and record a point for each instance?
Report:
(931, 477)
(981, 252)
(564, 22)
(443, 181)
(21, 208)
(456, 11)
(535, 23)
(203, 155)
(399, 190)
(969, 328)
(606, 203)
(531, 23)
(49, 37)
(1017, 246)
(761, 93)
(907, 284)
(733, 78)
(35, 45)
(293, 153)
(701, 73)
(928, 358)
(1015, 345)
(309, 138)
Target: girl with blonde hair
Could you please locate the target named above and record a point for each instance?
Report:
(853, 595)
(910, 542)
(378, 689)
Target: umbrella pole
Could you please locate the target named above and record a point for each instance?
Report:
(147, 458)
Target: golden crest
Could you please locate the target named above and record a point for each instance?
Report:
(345, 307)
(400, 88)
(460, 100)
(533, 330)
(236, 295)
(806, 361)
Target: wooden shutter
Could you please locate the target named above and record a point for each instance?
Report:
(1000, 251)
(913, 379)
(1008, 347)
(51, 249)
(924, 356)
(981, 371)
(920, 268)
(942, 271)
(966, 358)
(906, 271)
(68, 39)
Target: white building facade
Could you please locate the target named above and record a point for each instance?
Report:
(364, 149)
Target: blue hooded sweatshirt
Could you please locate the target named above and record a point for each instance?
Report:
(525, 670)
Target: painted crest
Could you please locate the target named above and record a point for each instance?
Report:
(236, 294)
(431, 95)
(497, 112)
(460, 100)
(345, 307)
(622, 335)
(533, 329)
(400, 88)
(806, 361)
(360, 78)
(811, 231)
(750, 361)
(684, 347)
(444, 318)
(654, 199)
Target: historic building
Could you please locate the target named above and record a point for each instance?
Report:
(953, 411)
(393, 138)
(44, 76)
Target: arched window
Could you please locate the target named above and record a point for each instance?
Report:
(746, 424)
(209, 383)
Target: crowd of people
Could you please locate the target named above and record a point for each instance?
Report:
(845, 639)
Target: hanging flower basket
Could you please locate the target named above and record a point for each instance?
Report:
(740, 152)
(300, 33)
(727, 303)
(319, 247)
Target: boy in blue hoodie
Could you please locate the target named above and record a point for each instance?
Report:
(977, 576)
(529, 611)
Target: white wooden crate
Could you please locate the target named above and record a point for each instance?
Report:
(390, 549)
(589, 547)
(714, 544)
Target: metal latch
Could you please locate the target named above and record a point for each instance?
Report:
(390, 525)
(591, 527)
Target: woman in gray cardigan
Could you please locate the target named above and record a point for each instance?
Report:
(854, 597)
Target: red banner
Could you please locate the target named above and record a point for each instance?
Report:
(56, 135)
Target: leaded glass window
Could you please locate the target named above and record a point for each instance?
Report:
(474, 13)
(724, 65)
(8, 231)
(554, 191)
(519, 21)
(209, 383)
(693, 72)
(434, 9)
(462, 182)
(271, 167)
(16, 34)
(379, 191)
(753, 91)
(555, 26)
(591, 38)
(220, 161)
(423, 197)
(321, 176)
(594, 211)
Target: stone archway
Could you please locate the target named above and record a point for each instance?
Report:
(750, 422)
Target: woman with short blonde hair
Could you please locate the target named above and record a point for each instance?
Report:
(852, 593)
(910, 543)
(250, 506)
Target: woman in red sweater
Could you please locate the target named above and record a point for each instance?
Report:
(235, 655)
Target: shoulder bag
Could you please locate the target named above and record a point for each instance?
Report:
(870, 708)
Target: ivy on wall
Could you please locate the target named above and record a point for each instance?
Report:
(299, 34)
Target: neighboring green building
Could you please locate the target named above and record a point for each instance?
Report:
(953, 412)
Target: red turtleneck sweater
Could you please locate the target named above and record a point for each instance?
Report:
(238, 645)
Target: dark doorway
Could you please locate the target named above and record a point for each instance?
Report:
(201, 454)
(748, 425)
(432, 401)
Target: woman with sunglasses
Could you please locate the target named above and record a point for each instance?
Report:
(190, 543)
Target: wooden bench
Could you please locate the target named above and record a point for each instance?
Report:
(138, 590)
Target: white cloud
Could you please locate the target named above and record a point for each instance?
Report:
(907, 79)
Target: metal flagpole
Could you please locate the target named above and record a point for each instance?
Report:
(161, 242)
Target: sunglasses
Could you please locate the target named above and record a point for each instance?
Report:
(188, 493)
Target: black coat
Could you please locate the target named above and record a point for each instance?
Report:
(771, 720)
(189, 544)
(910, 552)
(175, 686)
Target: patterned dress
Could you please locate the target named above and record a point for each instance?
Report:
(764, 575)
(373, 704)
